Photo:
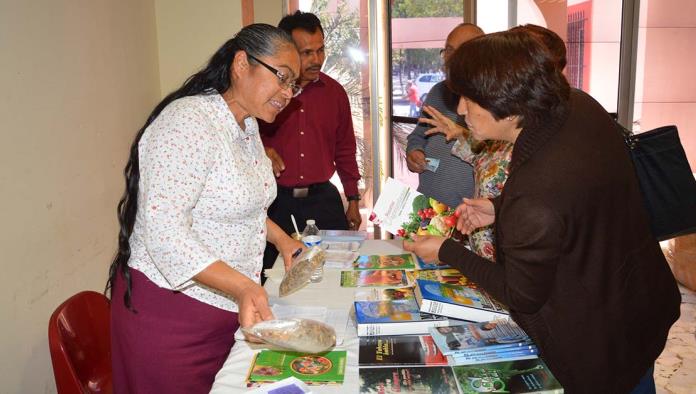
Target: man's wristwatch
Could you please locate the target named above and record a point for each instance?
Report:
(354, 197)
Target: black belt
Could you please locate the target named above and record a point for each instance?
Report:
(304, 191)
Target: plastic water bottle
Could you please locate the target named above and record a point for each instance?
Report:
(310, 237)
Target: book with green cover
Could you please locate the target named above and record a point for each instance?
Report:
(384, 262)
(381, 380)
(272, 366)
(373, 278)
(520, 376)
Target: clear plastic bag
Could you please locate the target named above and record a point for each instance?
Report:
(300, 274)
(301, 335)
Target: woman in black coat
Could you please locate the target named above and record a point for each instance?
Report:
(576, 262)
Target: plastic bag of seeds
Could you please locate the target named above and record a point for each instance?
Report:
(301, 335)
(301, 271)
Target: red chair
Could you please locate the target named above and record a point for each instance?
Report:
(79, 336)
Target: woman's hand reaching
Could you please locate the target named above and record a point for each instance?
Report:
(252, 302)
(441, 124)
(475, 213)
(427, 247)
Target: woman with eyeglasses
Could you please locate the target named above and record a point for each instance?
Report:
(193, 223)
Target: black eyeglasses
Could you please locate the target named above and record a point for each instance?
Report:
(284, 83)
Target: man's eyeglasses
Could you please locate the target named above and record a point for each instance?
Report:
(446, 51)
(284, 83)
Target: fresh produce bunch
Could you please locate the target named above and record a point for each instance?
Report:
(429, 217)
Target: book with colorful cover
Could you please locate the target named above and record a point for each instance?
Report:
(403, 211)
(497, 334)
(272, 366)
(435, 265)
(392, 380)
(520, 376)
(398, 317)
(494, 355)
(465, 302)
(385, 294)
(393, 350)
(447, 275)
(373, 278)
(384, 262)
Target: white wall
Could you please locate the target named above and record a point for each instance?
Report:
(189, 32)
(78, 79)
(268, 11)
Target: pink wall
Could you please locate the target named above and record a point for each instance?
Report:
(668, 83)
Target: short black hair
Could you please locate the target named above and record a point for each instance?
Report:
(548, 37)
(513, 74)
(301, 20)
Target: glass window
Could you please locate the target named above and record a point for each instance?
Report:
(590, 28)
(418, 33)
(346, 40)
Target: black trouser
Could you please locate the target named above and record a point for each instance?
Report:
(323, 204)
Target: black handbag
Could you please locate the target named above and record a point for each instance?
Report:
(666, 180)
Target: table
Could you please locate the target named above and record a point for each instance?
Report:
(328, 293)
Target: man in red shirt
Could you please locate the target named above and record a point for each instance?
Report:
(312, 138)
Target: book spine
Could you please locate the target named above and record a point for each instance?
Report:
(405, 328)
(503, 352)
(458, 311)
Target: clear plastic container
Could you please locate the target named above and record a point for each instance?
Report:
(310, 237)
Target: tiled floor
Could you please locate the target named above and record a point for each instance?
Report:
(675, 369)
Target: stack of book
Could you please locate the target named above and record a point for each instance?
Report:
(405, 363)
(474, 343)
(411, 363)
(459, 301)
(394, 317)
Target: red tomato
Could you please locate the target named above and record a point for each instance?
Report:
(450, 221)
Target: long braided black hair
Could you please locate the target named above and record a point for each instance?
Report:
(256, 39)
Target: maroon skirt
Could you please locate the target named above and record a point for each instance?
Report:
(172, 344)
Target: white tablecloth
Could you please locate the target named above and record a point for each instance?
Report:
(327, 293)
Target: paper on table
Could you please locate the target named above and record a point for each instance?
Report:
(393, 206)
(340, 259)
(352, 246)
(287, 385)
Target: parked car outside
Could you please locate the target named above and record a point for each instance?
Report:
(425, 82)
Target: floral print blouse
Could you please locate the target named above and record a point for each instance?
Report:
(490, 160)
(205, 186)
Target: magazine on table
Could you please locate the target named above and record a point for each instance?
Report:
(374, 278)
(447, 275)
(385, 294)
(384, 262)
